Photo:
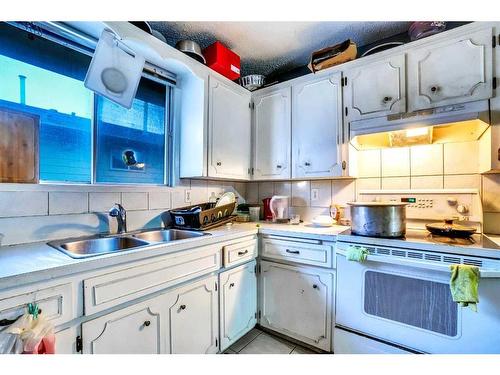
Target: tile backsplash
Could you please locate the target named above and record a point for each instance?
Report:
(30, 213)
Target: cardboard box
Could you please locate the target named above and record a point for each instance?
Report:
(330, 56)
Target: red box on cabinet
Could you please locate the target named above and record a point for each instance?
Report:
(222, 60)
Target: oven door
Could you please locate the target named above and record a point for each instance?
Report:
(409, 303)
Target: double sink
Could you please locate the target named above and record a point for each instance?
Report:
(105, 244)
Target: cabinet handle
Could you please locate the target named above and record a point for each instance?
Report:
(219, 163)
(147, 323)
(279, 166)
(387, 99)
(434, 88)
(231, 285)
(241, 253)
(292, 251)
(307, 164)
(183, 307)
(315, 286)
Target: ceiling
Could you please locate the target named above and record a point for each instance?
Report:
(273, 47)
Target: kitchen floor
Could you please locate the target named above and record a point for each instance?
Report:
(259, 342)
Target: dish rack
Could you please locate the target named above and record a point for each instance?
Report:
(202, 216)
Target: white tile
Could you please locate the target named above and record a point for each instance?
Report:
(146, 219)
(343, 191)
(389, 183)
(426, 160)
(369, 163)
(252, 195)
(395, 162)
(266, 344)
(368, 184)
(283, 188)
(178, 198)
(301, 193)
(245, 340)
(162, 199)
(135, 201)
(214, 187)
(68, 202)
(266, 190)
(492, 222)
(102, 202)
(491, 193)
(308, 213)
(426, 182)
(461, 158)
(199, 191)
(240, 190)
(462, 181)
(23, 203)
(324, 189)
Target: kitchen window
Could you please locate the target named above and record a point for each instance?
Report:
(83, 137)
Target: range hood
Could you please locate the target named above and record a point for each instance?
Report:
(454, 123)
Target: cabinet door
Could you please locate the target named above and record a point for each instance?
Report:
(454, 71)
(376, 89)
(229, 131)
(272, 135)
(316, 126)
(136, 329)
(193, 315)
(238, 303)
(297, 302)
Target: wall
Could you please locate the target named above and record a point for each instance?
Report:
(30, 213)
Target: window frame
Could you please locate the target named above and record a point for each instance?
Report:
(151, 72)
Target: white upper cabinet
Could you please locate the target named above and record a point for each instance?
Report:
(375, 89)
(193, 313)
(453, 71)
(229, 119)
(238, 303)
(272, 134)
(316, 127)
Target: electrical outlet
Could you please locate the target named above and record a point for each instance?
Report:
(187, 196)
(314, 194)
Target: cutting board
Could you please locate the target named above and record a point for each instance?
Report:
(18, 146)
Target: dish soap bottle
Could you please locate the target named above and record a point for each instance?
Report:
(212, 200)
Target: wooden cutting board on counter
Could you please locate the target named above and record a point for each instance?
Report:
(18, 146)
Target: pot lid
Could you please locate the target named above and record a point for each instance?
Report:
(377, 204)
(449, 228)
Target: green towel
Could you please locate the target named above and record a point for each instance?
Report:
(464, 283)
(357, 254)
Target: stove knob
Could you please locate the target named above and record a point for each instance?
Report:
(462, 209)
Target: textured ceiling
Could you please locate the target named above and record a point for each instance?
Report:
(271, 47)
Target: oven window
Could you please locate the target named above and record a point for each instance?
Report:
(419, 303)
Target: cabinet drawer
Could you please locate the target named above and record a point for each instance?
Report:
(240, 252)
(55, 303)
(298, 252)
(111, 289)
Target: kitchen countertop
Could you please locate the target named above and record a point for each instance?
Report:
(29, 263)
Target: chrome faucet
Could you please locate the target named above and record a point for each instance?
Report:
(121, 217)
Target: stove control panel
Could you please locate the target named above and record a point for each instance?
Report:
(419, 202)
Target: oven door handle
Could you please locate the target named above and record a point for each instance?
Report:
(484, 273)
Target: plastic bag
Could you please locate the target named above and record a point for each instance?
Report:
(28, 335)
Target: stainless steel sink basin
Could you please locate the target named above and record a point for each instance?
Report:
(84, 248)
(168, 235)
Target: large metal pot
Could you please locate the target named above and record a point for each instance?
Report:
(378, 219)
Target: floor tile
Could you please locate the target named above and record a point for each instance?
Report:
(301, 350)
(245, 340)
(266, 344)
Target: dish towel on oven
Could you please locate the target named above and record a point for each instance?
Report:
(464, 283)
(357, 254)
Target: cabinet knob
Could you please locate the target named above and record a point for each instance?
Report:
(219, 163)
(231, 285)
(315, 286)
(279, 166)
(387, 99)
(307, 164)
(147, 323)
(183, 307)
(434, 88)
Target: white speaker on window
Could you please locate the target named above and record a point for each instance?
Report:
(115, 70)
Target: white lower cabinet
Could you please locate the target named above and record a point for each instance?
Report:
(182, 320)
(238, 303)
(298, 302)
